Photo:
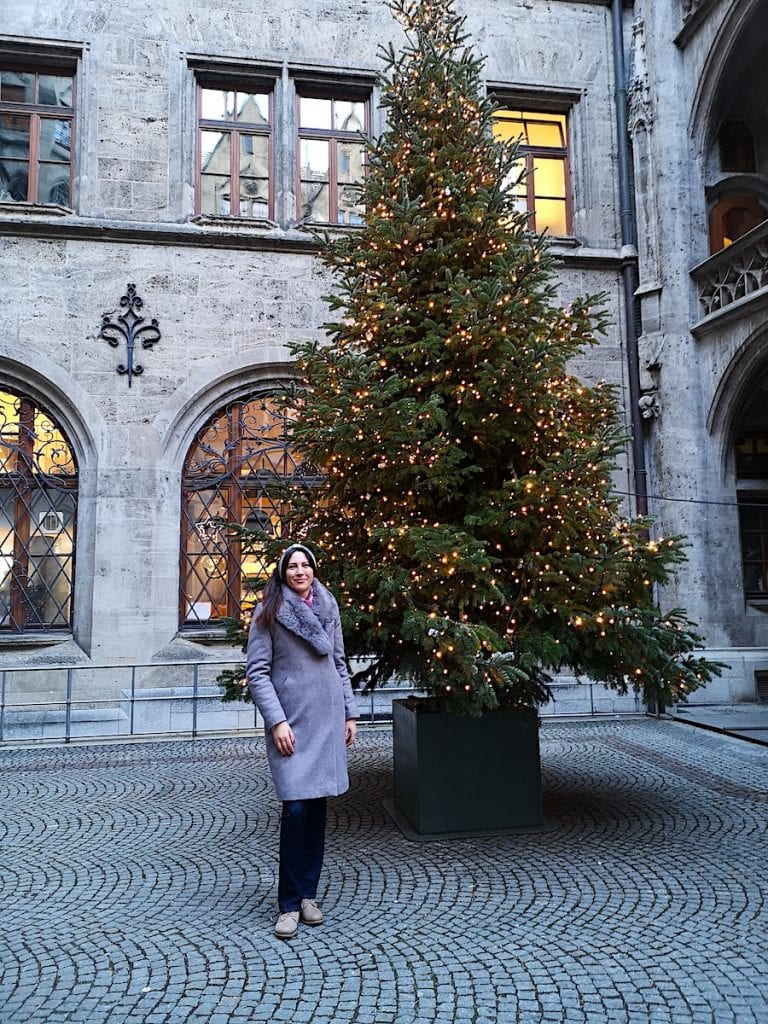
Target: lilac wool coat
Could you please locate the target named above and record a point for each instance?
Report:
(296, 673)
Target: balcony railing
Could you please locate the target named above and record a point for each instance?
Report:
(738, 271)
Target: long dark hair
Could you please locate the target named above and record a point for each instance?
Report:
(272, 597)
(271, 601)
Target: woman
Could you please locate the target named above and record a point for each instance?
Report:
(299, 681)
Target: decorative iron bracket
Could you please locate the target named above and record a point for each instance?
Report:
(130, 328)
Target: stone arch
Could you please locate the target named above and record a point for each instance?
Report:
(77, 414)
(732, 83)
(747, 365)
(721, 53)
(202, 393)
(211, 491)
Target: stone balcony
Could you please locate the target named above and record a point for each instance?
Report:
(737, 274)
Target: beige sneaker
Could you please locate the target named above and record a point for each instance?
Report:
(310, 912)
(287, 925)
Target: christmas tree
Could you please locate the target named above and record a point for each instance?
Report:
(467, 521)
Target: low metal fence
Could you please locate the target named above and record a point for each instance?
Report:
(62, 703)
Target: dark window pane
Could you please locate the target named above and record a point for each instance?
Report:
(737, 148)
(55, 90)
(14, 136)
(14, 178)
(55, 139)
(53, 184)
(17, 86)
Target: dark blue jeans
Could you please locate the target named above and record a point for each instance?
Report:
(302, 844)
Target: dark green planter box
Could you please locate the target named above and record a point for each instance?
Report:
(455, 774)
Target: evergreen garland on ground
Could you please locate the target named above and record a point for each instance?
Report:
(467, 522)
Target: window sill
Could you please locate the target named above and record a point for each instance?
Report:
(206, 220)
(10, 209)
(760, 604)
(41, 639)
(312, 227)
(204, 634)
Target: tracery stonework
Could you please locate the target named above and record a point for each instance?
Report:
(639, 96)
(734, 273)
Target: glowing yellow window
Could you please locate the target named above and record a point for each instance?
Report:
(543, 157)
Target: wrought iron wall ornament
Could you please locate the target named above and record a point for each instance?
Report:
(130, 328)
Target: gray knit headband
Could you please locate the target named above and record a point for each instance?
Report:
(285, 558)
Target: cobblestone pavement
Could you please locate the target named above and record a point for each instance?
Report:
(138, 886)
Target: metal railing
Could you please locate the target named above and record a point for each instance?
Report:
(181, 699)
(61, 703)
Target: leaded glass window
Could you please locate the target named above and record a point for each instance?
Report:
(38, 513)
(232, 474)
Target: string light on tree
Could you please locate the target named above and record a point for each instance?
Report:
(466, 513)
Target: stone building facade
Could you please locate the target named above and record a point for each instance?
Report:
(162, 168)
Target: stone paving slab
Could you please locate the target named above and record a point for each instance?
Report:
(747, 721)
(138, 888)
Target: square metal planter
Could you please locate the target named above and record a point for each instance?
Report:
(457, 775)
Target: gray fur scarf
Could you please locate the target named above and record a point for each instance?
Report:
(310, 624)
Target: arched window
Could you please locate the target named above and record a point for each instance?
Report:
(232, 473)
(38, 512)
(751, 463)
(737, 148)
(733, 217)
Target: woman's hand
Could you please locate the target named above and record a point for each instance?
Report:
(284, 739)
(350, 731)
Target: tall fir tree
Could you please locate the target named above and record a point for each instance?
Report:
(467, 520)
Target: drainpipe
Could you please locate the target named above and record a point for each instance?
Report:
(629, 270)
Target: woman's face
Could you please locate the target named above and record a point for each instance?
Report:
(299, 574)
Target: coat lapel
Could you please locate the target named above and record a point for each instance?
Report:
(296, 616)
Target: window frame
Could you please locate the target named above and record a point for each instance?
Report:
(27, 479)
(37, 112)
(528, 109)
(257, 494)
(236, 130)
(757, 497)
(336, 92)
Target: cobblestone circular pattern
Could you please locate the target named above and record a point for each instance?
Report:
(138, 886)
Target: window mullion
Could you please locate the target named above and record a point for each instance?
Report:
(234, 172)
(34, 157)
(333, 180)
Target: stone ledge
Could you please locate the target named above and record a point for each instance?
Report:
(570, 252)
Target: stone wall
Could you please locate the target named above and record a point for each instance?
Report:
(229, 297)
